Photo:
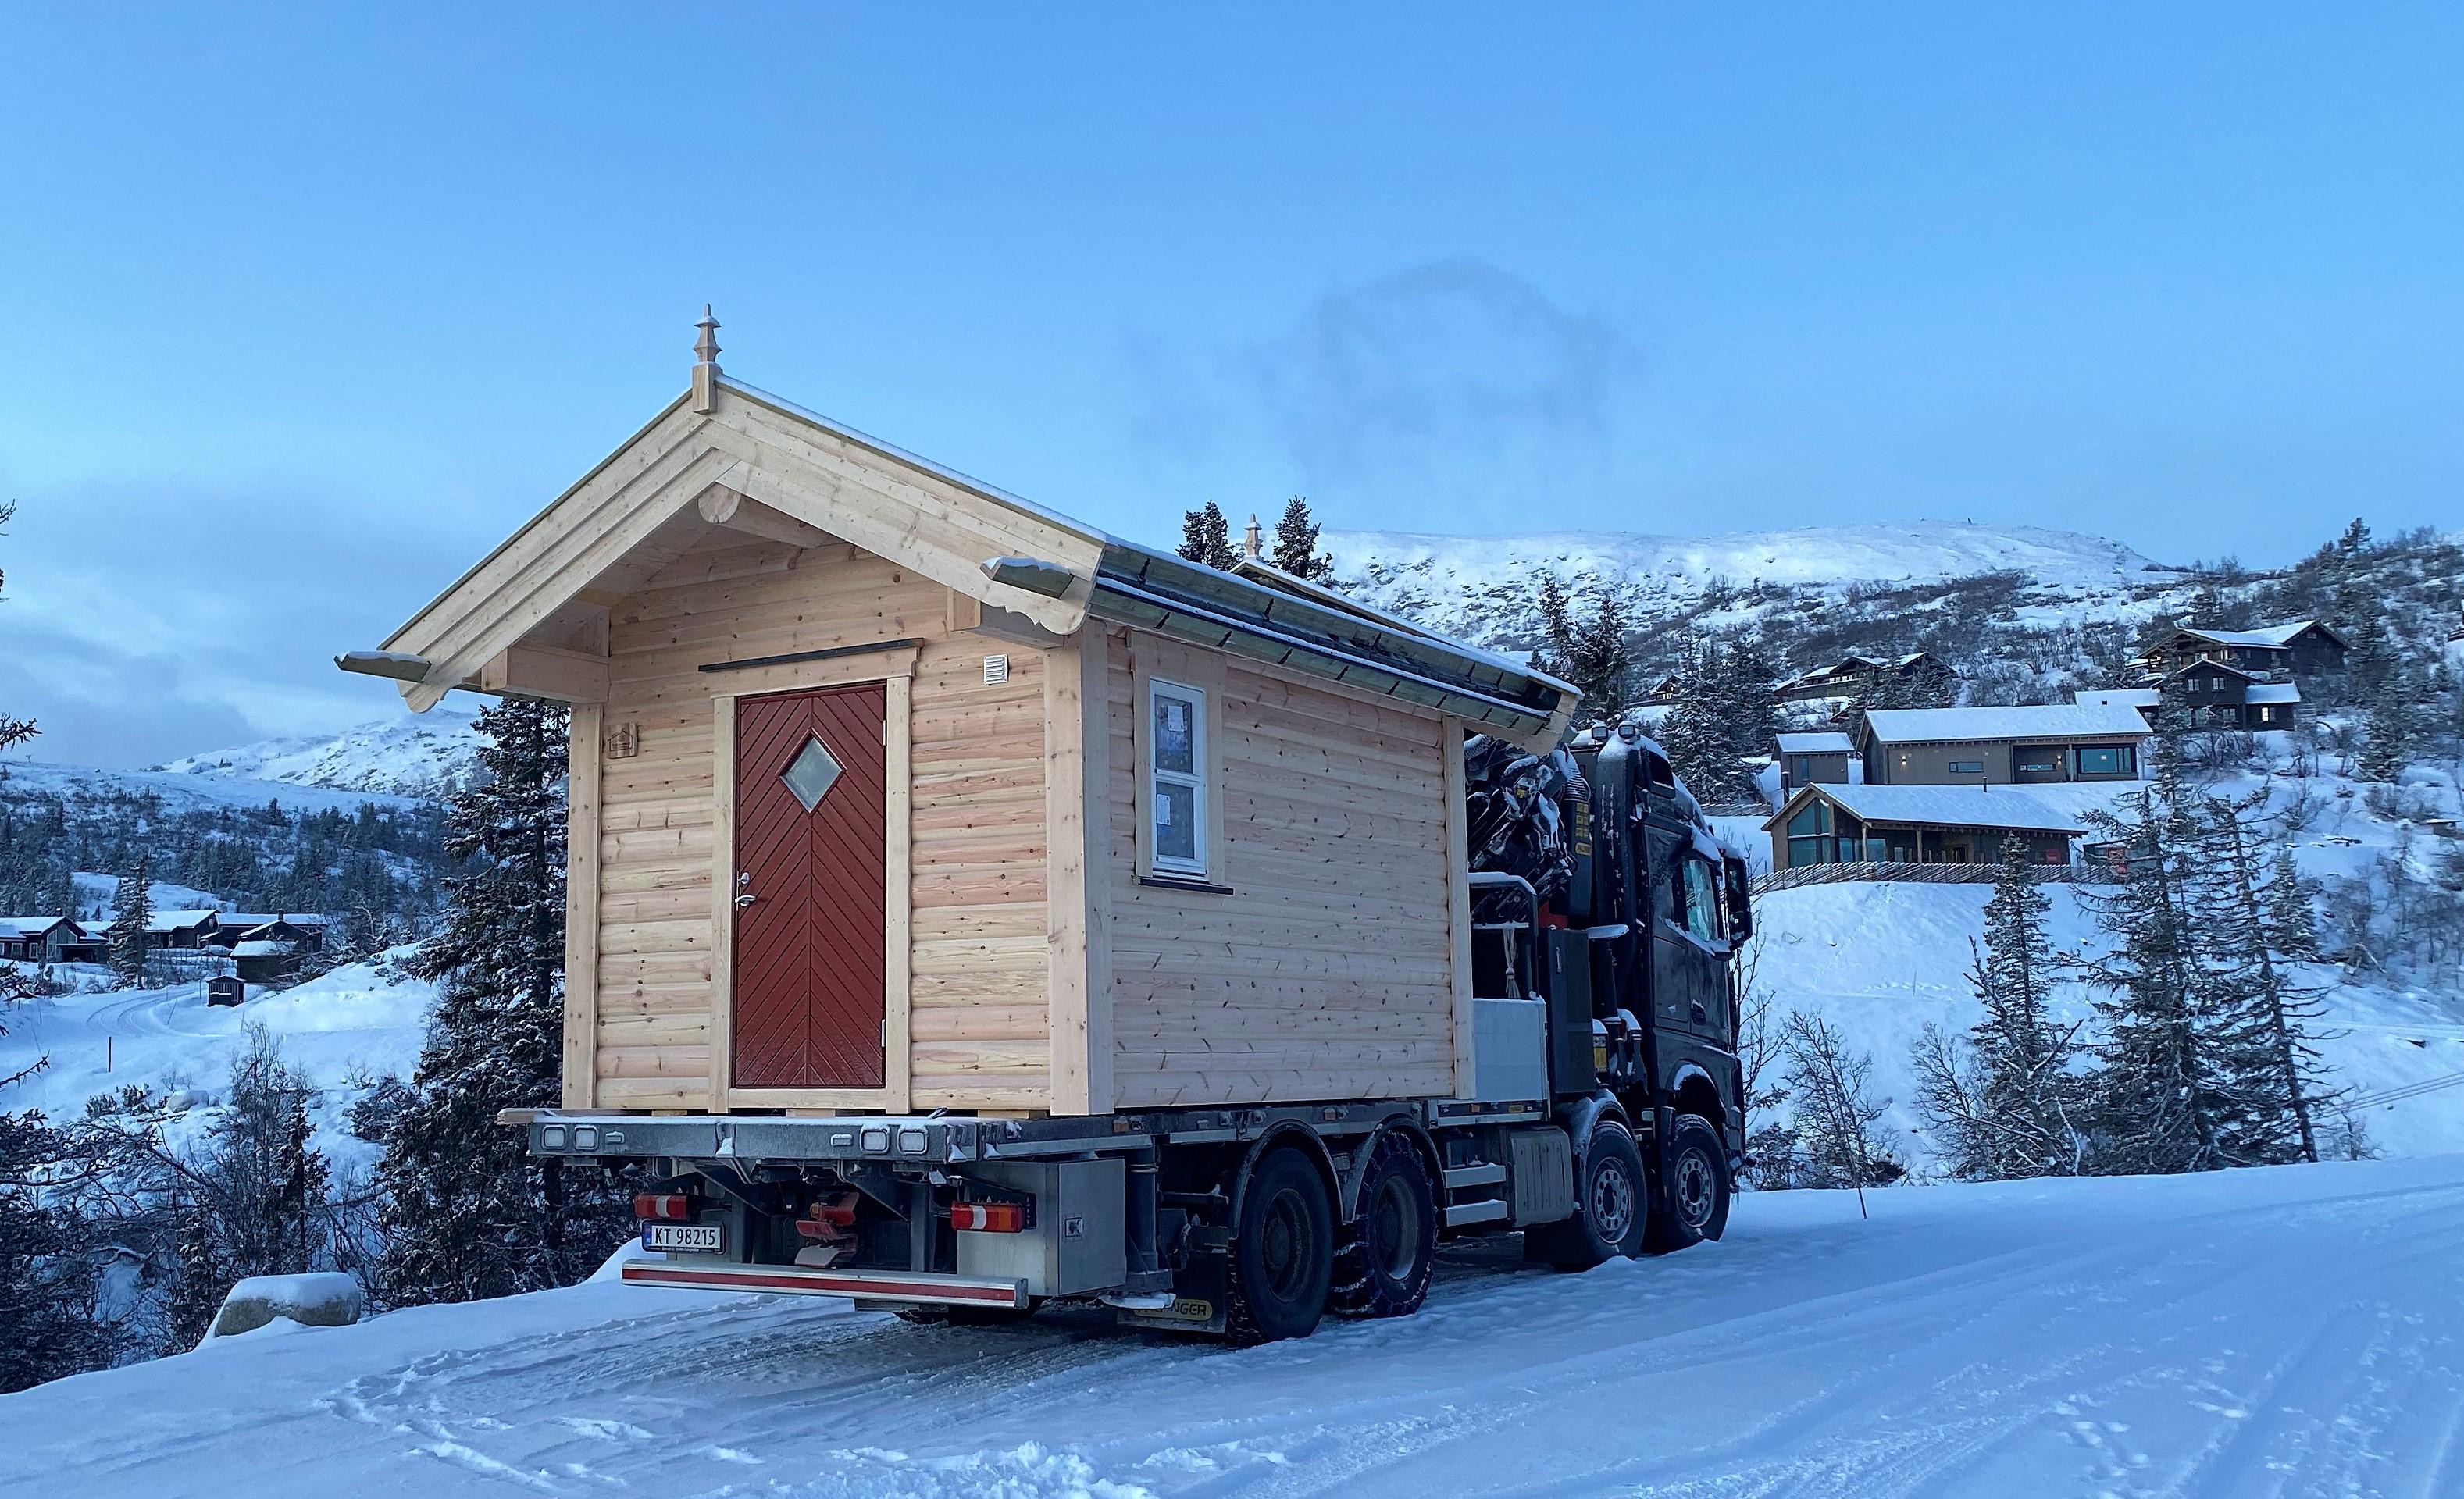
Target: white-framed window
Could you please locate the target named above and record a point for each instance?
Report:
(1176, 797)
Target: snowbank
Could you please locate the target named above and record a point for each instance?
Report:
(326, 1299)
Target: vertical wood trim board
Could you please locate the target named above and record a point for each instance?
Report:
(898, 906)
(1450, 751)
(581, 795)
(722, 900)
(1079, 962)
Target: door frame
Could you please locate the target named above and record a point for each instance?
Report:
(897, 676)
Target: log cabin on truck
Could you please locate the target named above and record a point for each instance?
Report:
(968, 907)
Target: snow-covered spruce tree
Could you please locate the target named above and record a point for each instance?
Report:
(1295, 549)
(2006, 1102)
(2388, 731)
(2292, 914)
(132, 909)
(1206, 536)
(467, 1213)
(1723, 715)
(1836, 1109)
(1595, 660)
(2256, 978)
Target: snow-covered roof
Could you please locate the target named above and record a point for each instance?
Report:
(177, 920)
(263, 950)
(21, 927)
(2204, 666)
(1904, 726)
(2273, 692)
(1940, 806)
(264, 918)
(2267, 637)
(1822, 741)
(2117, 696)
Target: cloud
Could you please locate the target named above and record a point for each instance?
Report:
(143, 621)
(1453, 392)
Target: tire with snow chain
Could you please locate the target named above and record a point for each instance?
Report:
(1694, 1200)
(1612, 1205)
(1283, 1250)
(1382, 1265)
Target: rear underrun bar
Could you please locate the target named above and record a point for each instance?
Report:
(863, 1285)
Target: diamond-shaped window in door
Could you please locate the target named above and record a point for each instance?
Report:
(810, 775)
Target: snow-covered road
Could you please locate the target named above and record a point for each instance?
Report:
(2294, 1330)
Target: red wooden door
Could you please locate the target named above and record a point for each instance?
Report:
(812, 803)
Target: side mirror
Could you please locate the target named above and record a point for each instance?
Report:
(1741, 903)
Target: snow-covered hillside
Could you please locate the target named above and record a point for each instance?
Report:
(2285, 1330)
(343, 1029)
(1480, 587)
(423, 755)
(181, 792)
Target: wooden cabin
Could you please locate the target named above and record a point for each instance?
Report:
(892, 790)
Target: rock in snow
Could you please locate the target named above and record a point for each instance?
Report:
(330, 1300)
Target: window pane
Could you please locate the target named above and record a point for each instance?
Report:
(1175, 734)
(1176, 821)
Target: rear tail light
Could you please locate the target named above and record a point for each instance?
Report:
(669, 1207)
(989, 1217)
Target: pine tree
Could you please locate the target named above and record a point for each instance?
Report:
(2387, 742)
(1595, 659)
(133, 911)
(2006, 1102)
(2254, 971)
(467, 1213)
(1206, 537)
(2292, 916)
(1723, 716)
(1295, 549)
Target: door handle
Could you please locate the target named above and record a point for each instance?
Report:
(743, 901)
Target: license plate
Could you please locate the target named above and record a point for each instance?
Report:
(697, 1237)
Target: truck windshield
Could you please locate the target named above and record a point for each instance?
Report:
(1701, 900)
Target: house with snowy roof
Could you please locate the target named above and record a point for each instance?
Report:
(2271, 652)
(1914, 825)
(1819, 758)
(1918, 674)
(2001, 745)
(185, 929)
(49, 939)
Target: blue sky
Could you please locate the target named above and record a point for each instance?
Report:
(304, 311)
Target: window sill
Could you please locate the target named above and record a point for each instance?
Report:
(1184, 882)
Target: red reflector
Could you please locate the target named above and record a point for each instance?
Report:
(669, 1206)
(988, 1217)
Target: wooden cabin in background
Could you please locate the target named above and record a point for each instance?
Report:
(892, 790)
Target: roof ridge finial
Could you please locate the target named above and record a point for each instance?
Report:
(1253, 540)
(705, 372)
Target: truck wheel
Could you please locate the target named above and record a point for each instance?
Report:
(1694, 1202)
(1383, 1267)
(1283, 1252)
(1612, 1204)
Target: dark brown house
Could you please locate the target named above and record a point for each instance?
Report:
(1911, 677)
(1813, 760)
(2301, 648)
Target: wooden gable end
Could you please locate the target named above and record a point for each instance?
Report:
(530, 617)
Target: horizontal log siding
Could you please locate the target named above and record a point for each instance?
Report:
(977, 1027)
(1324, 973)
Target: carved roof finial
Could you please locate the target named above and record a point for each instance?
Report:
(706, 347)
(1253, 540)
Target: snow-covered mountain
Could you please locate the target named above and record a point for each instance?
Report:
(427, 755)
(1483, 588)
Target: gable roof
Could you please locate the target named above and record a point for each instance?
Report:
(724, 445)
(1902, 726)
(1828, 741)
(1935, 806)
(2205, 666)
(19, 929)
(177, 920)
(2267, 637)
